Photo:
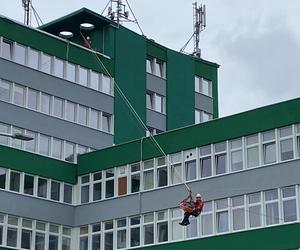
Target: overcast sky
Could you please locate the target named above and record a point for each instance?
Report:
(255, 42)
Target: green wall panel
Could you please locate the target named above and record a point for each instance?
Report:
(37, 165)
(156, 50)
(180, 90)
(209, 71)
(53, 46)
(246, 123)
(130, 65)
(273, 238)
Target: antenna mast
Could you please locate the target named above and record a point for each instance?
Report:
(199, 26)
(27, 11)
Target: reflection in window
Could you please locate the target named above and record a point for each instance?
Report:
(58, 107)
(33, 58)
(286, 149)
(57, 148)
(7, 49)
(19, 95)
(31, 145)
(94, 82)
(4, 129)
(106, 85)
(83, 76)
(5, 90)
(32, 99)
(220, 161)
(20, 52)
(58, 67)
(46, 63)
(190, 170)
(70, 72)
(44, 145)
(271, 206)
(106, 123)
(269, 152)
(82, 115)
(70, 111)
(289, 204)
(70, 152)
(45, 103)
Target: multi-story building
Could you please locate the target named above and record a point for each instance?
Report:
(72, 100)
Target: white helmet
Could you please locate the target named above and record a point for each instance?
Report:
(198, 195)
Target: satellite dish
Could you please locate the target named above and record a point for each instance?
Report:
(87, 26)
(66, 34)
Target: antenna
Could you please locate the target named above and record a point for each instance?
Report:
(27, 11)
(117, 12)
(199, 18)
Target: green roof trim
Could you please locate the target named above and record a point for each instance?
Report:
(37, 165)
(234, 126)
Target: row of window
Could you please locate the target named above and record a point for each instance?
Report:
(156, 102)
(203, 86)
(156, 67)
(22, 233)
(42, 144)
(202, 116)
(244, 212)
(54, 106)
(255, 150)
(35, 186)
(52, 65)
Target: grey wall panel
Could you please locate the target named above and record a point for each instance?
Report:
(204, 103)
(52, 126)
(156, 84)
(156, 120)
(34, 208)
(55, 86)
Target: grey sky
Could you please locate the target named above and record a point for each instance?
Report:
(256, 42)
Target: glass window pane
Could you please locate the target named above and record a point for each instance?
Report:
(31, 145)
(106, 123)
(19, 95)
(108, 241)
(94, 80)
(12, 237)
(44, 145)
(149, 100)
(109, 189)
(176, 173)
(83, 73)
(290, 210)
(82, 115)
(40, 241)
(206, 225)
(222, 222)
(70, 72)
(4, 129)
(159, 103)
(148, 66)
(20, 54)
(5, 90)
(66, 243)
(236, 160)
(32, 100)
(46, 63)
(162, 177)
(220, 161)
(55, 190)
(45, 103)
(286, 149)
(58, 67)
(252, 139)
(272, 213)
(15, 142)
(96, 242)
(252, 157)
(220, 147)
(81, 150)
(134, 236)
(162, 231)
(106, 85)
(205, 167)
(190, 170)
(70, 111)
(33, 58)
(254, 216)
(26, 239)
(148, 234)
(269, 135)
(70, 152)
(206, 150)
(57, 148)
(97, 190)
(68, 193)
(148, 180)
(197, 84)
(14, 181)
(58, 107)
(238, 219)
(288, 192)
(28, 184)
(42, 188)
(271, 195)
(94, 119)
(205, 87)
(286, 131)
(7, 49)
(53, 242)
(85, 190)
(269, 153)
(135, 183)
(3, 172)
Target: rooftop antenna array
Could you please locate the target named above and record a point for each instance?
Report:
(199, 18)
(116, 11)
(28, 9)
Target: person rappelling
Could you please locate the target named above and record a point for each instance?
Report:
(191, 207)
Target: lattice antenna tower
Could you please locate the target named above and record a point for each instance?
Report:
(199, 26)
(27, 11)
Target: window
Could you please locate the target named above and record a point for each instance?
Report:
(148, 228)
(26, 236)
(40, 236)
(289, 204)
(149, 100)
(70, 111)
(44, 145)
(271, 207)
(4, 129)
(148, 174)
(83, 76)
(159, 103)
(53, 237)
(28, 184)
(203, 86)
(55, 190)
(68, 193)
(121, 233)
(207, 219)
(197, 116)
(66, 238)
(97, 186)
(58, 67)
(122, 180)
(3, 172)
(135, 231)
(45, 103)
(94, 80)
(202, 116)
(46, 63)
(222, 222)
(14, 181)
(85, 189)
(106, 123)
(269, 147)
(176, 168)
(135, 176)
(19, 95)
(238, 212)
(109, 183)
(149, 66)
(106, 85)
(162, 226)
(96, 236)
(176, 229)
(7, 49)
(286, 143)
(236, 155)
(20, 52)
(70, 72)
(94, 119)
(32, 99)
(57, 148)
(84, 243)
(108, 235)
(159, 68)
(42, 187)
(254, 209)
(12, 232)
(17, 143)
(197, 84)
(69, 152)
(58, 107)
(82, 115)
(5, 90)
(162, 172)
(190, 170)
(252, 151)
(31, 145)
(220, 158)
(205, 161)
(33, 58)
